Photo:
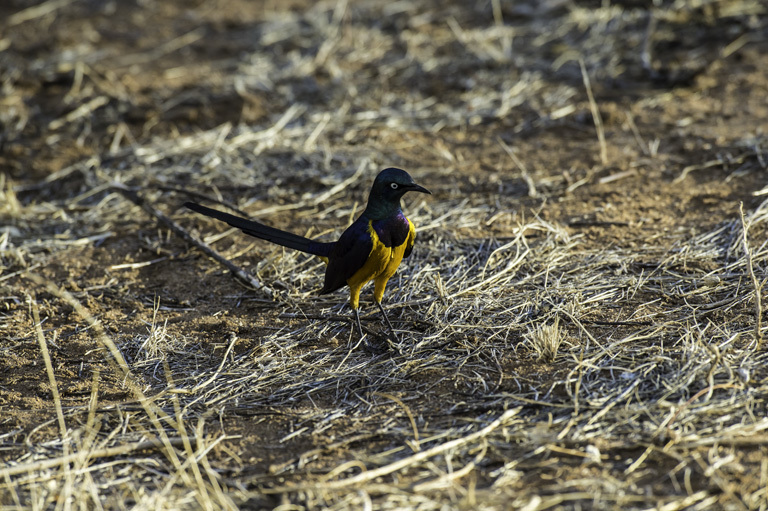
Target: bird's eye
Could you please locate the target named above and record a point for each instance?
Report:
(394, 186)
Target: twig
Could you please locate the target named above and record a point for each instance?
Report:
(238, 272)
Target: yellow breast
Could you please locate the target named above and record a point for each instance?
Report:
(382, 261)
(381, 264)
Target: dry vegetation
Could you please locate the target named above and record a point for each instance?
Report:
(581, 323)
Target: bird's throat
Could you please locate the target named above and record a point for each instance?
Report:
(381, 209)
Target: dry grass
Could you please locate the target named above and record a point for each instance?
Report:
(537, 368)
(545, 340)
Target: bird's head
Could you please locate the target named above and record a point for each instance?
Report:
(388, 188)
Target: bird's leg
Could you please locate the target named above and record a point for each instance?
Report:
(383, 313)
(357, 320)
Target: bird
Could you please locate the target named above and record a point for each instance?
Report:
(370, 249)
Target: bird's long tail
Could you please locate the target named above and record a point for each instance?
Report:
(265, 232)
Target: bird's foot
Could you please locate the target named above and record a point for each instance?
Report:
(357, 322)
(391, 328)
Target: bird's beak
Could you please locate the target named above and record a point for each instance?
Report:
(418, 188)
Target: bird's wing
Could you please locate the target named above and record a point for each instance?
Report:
(348, 255)
(410, 239)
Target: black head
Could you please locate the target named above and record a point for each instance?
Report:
(388, 188)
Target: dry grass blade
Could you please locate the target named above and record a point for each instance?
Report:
(48, 367)
(37, 11)
(546, 339)
(370, 475)
(92, 455)
(757, 287)
(596, 117)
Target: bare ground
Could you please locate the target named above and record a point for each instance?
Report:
(581, 322)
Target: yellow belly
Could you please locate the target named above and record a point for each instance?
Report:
(381, 264)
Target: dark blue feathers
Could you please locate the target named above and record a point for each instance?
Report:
(347, 255)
